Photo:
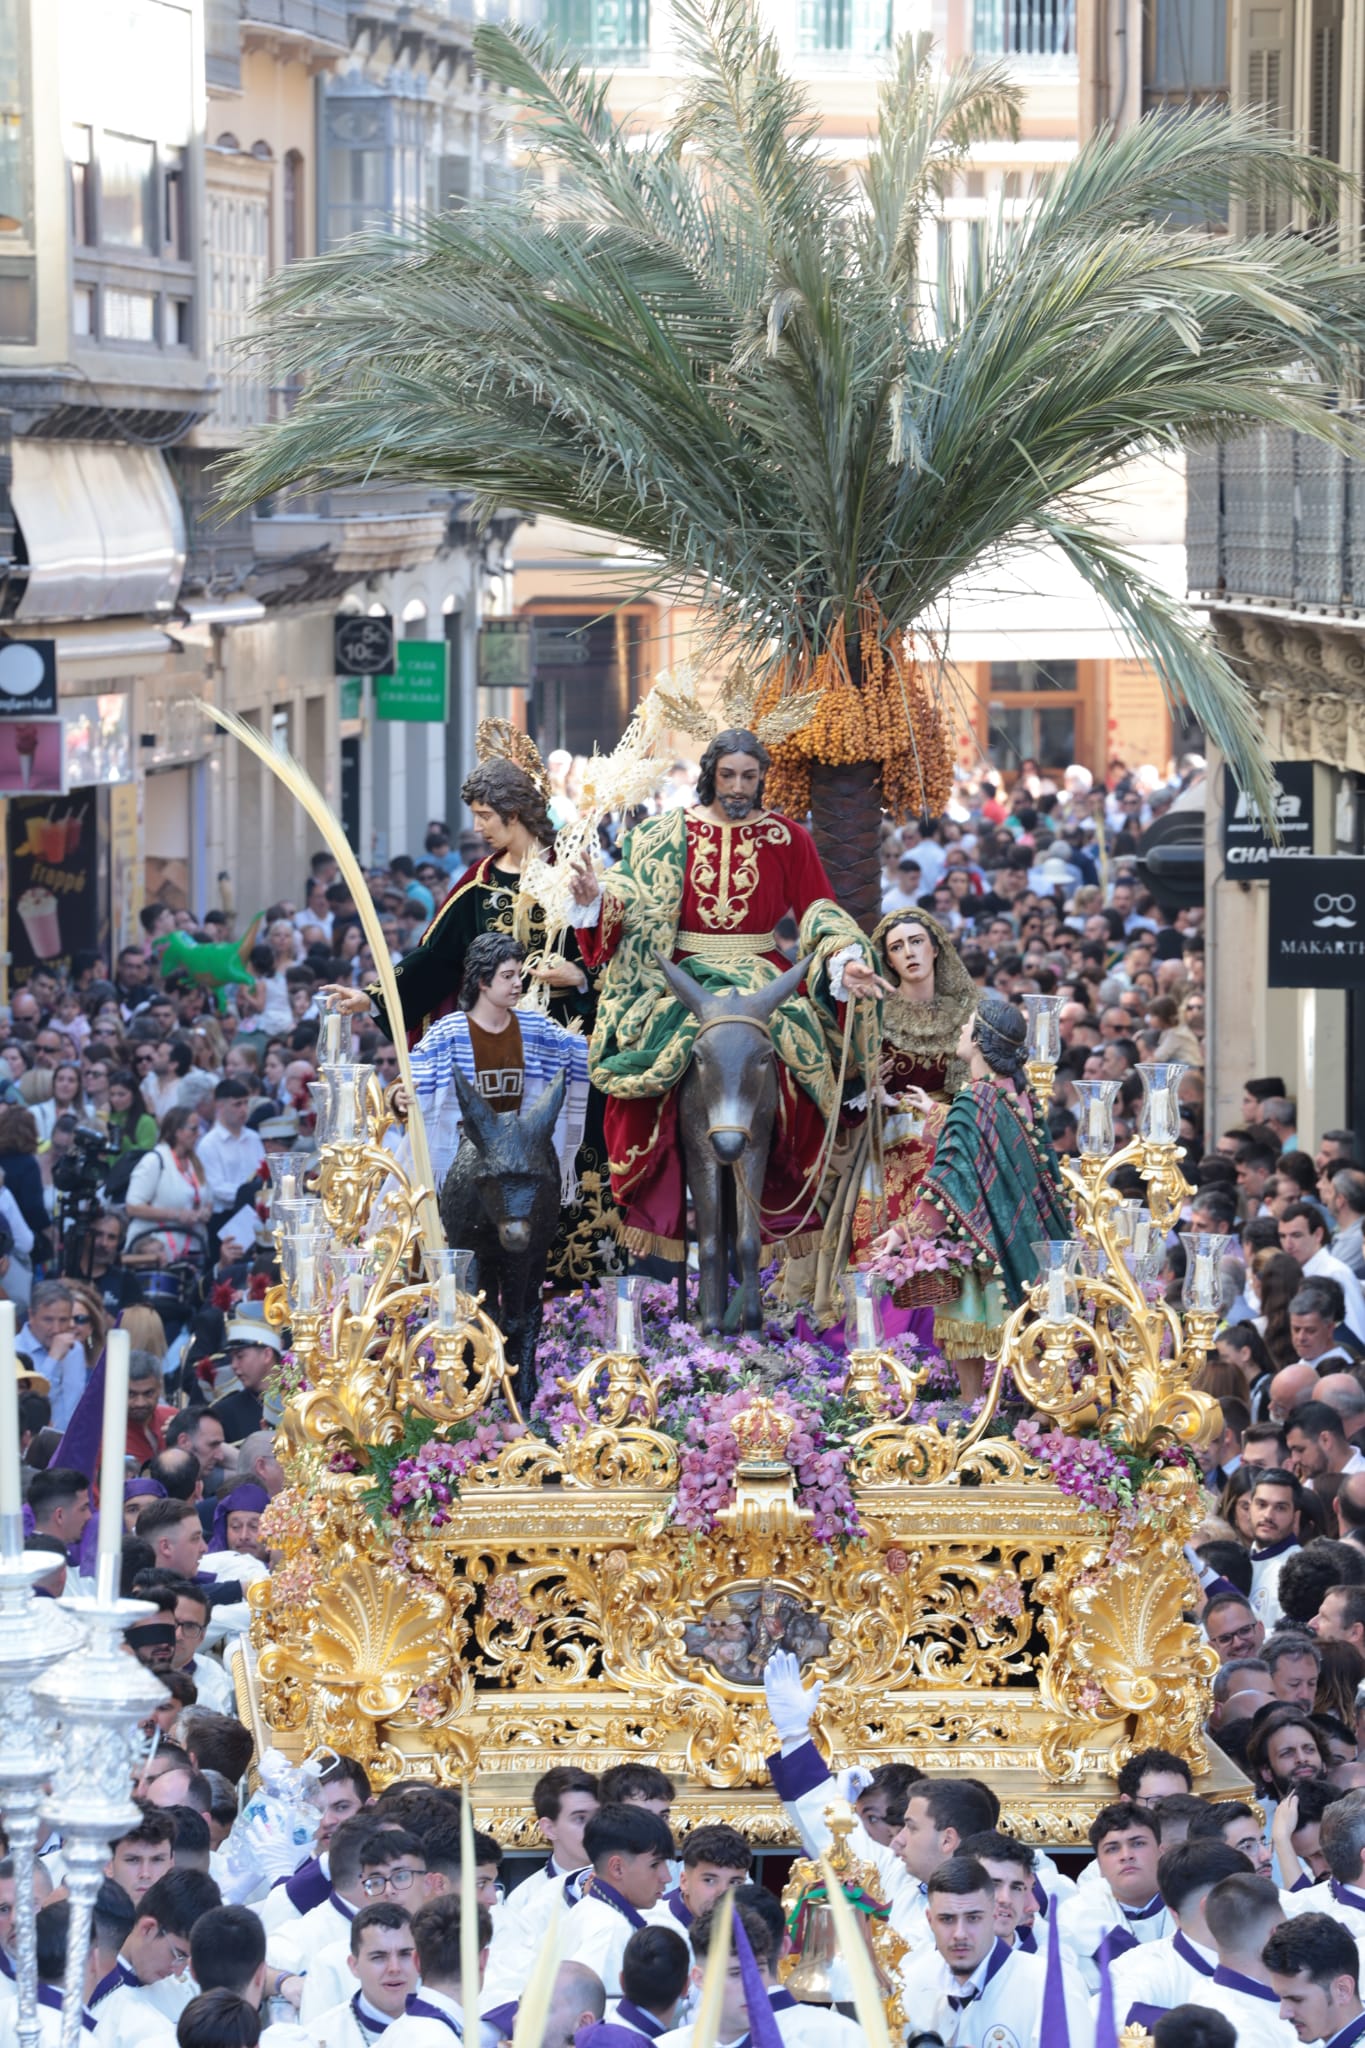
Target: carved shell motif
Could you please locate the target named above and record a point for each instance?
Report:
(380, 1636)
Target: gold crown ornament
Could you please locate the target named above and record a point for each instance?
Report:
(762, 1432)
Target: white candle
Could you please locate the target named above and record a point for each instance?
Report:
(289, 1186)
(306, 1283)
(1204, 1295)
(11, 1495)
(867, 1325)
(1056, 1295)
(445, 1300)
(625, 1322)
(355, 1292)
(345, 1116)
(1160, 1131)
(113, 1451)
(331, 1037)
(1094, 1124)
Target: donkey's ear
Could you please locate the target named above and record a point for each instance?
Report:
(477, 1116)
(689, 993)
(765, 1002)
(541, 1118)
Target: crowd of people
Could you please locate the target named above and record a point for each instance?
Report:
(138, 1117)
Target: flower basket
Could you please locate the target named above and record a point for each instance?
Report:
(925, 1272)
(928, 1290)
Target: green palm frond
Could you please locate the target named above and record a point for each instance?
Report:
(707, 344)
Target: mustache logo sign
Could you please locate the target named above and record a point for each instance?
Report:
(1334, 911)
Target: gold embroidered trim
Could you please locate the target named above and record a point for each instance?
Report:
(726, 945)
(957, 1339)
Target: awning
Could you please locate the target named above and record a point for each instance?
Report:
(102, 528)
(219, 611)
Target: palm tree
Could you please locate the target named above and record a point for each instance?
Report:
(709, 345)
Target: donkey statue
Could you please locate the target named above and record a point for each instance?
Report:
(500, 1200)
(727, 1105)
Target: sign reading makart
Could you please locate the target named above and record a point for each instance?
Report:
(1317, 923)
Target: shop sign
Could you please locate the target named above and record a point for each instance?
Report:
(1247, 846)
(362, 645)
(28, 678)
(417, 690)
(1317, 922)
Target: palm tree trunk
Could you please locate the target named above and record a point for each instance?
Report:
(846, 817)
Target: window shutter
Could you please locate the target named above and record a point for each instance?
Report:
(1268, 86)
(1324, 88)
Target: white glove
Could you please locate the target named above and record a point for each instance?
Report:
(852, 1783)
(790, 1704)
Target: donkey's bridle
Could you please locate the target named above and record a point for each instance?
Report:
(755, 1024)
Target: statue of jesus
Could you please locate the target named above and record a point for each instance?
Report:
(707, 888)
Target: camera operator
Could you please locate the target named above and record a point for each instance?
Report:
(78, 1204)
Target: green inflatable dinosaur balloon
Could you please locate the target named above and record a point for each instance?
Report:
(215, 964)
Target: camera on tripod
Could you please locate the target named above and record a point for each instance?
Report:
(83, 1166)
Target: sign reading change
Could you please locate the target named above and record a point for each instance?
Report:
(418, 689)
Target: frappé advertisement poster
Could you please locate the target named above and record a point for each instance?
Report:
(52, 857)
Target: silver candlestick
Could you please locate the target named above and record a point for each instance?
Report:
(92, 1703)
(33, 1634)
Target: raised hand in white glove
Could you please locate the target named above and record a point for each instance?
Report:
(790, 1704)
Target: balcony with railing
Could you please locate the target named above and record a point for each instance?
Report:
(846, 30)
(1276, 519)
(1039, 34)
(604, 33)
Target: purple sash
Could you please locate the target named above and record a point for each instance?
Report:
(309, 1887)
(420, 2010)
(598, 1888)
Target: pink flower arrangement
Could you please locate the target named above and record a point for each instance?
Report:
(916, 1256)
(425, 1485)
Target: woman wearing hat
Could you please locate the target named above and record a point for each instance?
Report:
(992, 1185)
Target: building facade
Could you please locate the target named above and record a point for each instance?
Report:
(1035, 665)
(164, 158)
(1276, 539)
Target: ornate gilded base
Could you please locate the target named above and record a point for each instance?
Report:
(455, 1597)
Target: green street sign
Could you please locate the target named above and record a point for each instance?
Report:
(352, 696)
(418, 688)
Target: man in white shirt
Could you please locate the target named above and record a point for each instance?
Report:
(1241, 1914)
(1303, 1234)
(1177, 1970)
(343, 1792)
(975, 1990)
(1122, 1906)
(228, 1152)
(151, 1989)
(630, 1849)
(434, 2017)
(383, 1962)
(1314, 1969)
(1274, 1517)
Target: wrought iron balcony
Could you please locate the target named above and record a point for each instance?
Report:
(1276, 518)
(1038, 33)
